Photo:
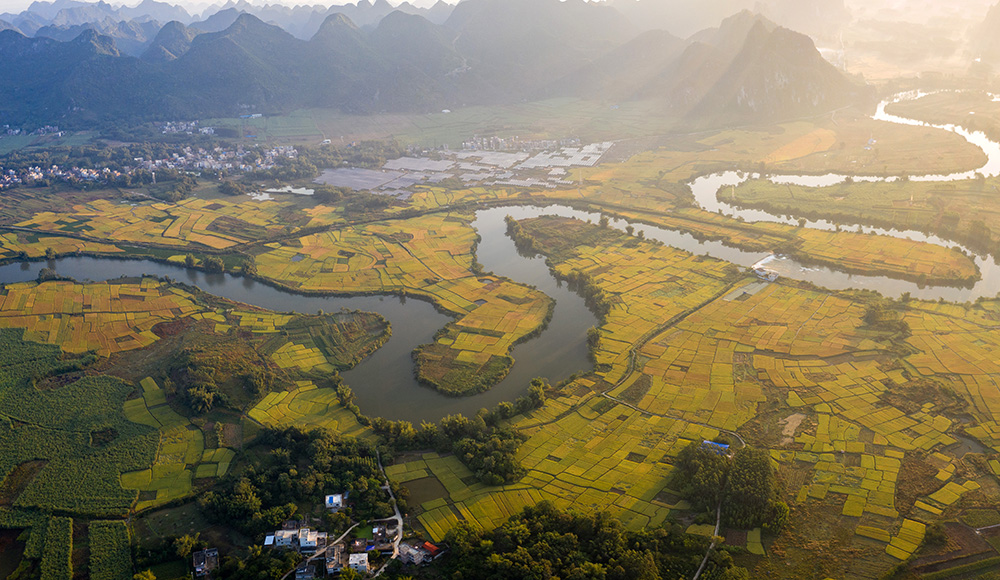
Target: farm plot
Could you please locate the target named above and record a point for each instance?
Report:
(215, 224)
(710, 369)
(33, 245)
(181, 455)
(430, 256)
(105, 318)
(961, 344)
(323, 344)
(110, 551)
(307, 406)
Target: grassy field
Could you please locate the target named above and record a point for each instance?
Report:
(550, 119)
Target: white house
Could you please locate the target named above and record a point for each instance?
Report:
(335, 502)
(359, 562)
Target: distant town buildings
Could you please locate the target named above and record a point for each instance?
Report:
(219, 159)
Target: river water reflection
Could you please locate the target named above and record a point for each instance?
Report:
(384, 383)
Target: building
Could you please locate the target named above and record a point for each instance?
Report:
(334, 559)
(205, 561)
(358, 562)
(311, 540)
(359, 545)
(302, 540)
(409, 554)
(432, 550)
(285, 538)
(334, 502)
(305, 572)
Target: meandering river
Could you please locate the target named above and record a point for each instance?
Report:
(384, 383)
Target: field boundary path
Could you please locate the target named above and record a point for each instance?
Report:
(634, 351)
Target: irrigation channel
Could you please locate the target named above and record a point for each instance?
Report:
(384, 383)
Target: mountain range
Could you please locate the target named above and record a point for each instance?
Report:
(484, 52)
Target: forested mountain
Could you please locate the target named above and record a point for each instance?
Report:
(487, 52)
(131, 37)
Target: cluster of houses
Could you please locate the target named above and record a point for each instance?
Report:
(231, 160)
(328, 557)
(186, 127)
(46, 130)
(219, 159)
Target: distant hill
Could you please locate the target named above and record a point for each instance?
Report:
(986, 40)
(45, 80)
(130, 37)
(219, 21)
(170, 43)
(486, 52)
(746, 70)
(778, 74)
(155, 10)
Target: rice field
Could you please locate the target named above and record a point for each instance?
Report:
(191, 223)
(707, 372)
(307, 406)
(429, 256)
(181, 456)
(105, 318)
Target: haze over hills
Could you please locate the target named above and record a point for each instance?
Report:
(486, 52)
(986, 43)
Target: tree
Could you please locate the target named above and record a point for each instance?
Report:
(185, 544)
(701, 474)
(751, 490)
(232, 188)
(144, 575)
(214, 264)
(249, 266)
(189, 260)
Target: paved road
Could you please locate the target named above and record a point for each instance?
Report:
(398, 517)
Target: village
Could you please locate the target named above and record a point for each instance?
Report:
(365, 547)
(219, 160)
